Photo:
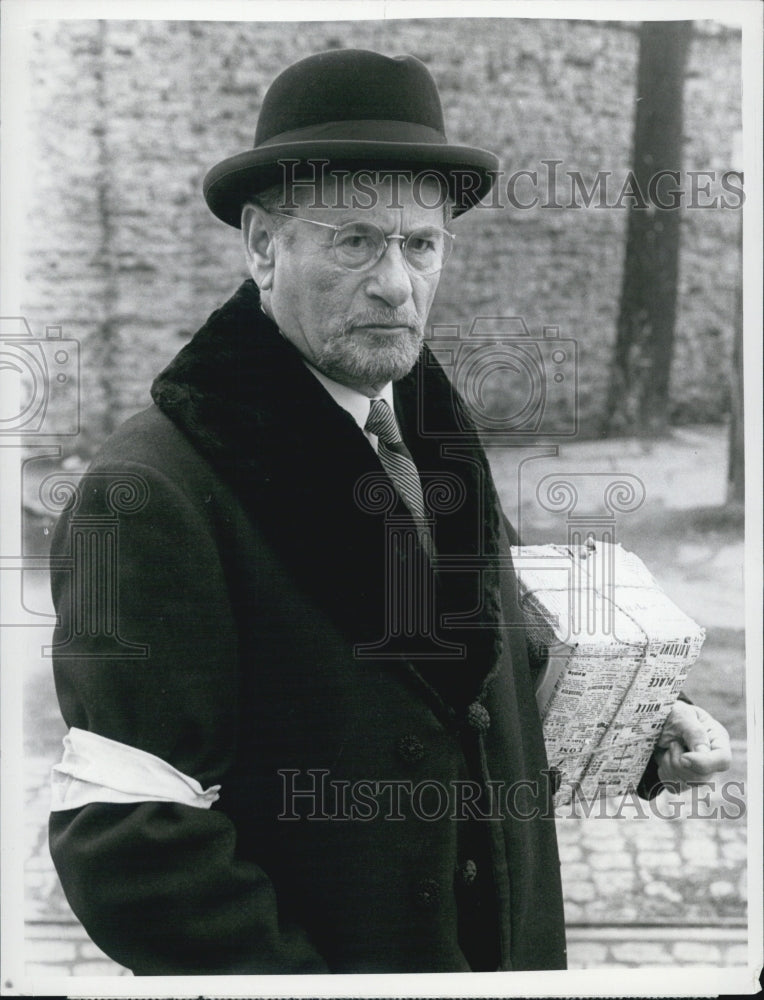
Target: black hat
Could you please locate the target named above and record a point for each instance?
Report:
(357, 109)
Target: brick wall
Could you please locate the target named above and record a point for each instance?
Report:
(128, 116)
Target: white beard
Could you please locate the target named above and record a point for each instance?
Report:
(369, 358)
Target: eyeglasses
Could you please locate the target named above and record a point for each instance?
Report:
(359, 245)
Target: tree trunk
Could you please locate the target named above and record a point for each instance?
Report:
(638, 393)
(736, 461)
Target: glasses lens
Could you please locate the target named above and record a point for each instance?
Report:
(427, 250)
(358, 244)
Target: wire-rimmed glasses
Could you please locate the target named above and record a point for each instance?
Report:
(359, 245)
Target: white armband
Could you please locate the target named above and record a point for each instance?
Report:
(97, 769)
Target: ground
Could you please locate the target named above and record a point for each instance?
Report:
(640, 888)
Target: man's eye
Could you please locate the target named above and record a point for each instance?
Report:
(354, 242)
(421, 244)
(355, 239)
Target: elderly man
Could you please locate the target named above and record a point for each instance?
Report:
(302, 759)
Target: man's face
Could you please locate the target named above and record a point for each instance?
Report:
(361, 328)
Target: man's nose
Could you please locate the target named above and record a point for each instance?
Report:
(389, 279)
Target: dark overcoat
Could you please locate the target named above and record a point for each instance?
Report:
(263, 639)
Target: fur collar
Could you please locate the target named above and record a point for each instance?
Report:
(242, 394)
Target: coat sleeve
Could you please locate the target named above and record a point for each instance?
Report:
(145, 654)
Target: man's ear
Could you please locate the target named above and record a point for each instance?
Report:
(259, 249)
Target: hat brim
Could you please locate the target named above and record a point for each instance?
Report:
(468, 171)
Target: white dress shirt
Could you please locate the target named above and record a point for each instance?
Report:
(356, 404)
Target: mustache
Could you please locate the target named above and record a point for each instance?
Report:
(383, 317)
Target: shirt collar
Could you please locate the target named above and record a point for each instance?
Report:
(356, 404)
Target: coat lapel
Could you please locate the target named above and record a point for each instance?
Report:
(242, 394)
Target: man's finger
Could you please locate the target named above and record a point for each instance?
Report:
(718, 735)
(682, 719)
(694, 735)
(707, 762)
(674, 756)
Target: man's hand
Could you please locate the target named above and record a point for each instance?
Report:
(692, 747)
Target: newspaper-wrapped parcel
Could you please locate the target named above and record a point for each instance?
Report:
(618, 653)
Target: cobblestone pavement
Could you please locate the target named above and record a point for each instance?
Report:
(640, 889)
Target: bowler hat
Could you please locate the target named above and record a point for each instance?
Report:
(357, 109)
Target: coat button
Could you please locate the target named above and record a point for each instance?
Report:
(427, 893)
(467, 872)
(478, 718)
(410, 748)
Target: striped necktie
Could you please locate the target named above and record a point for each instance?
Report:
(396, 459)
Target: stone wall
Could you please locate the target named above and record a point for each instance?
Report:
(127, 116)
